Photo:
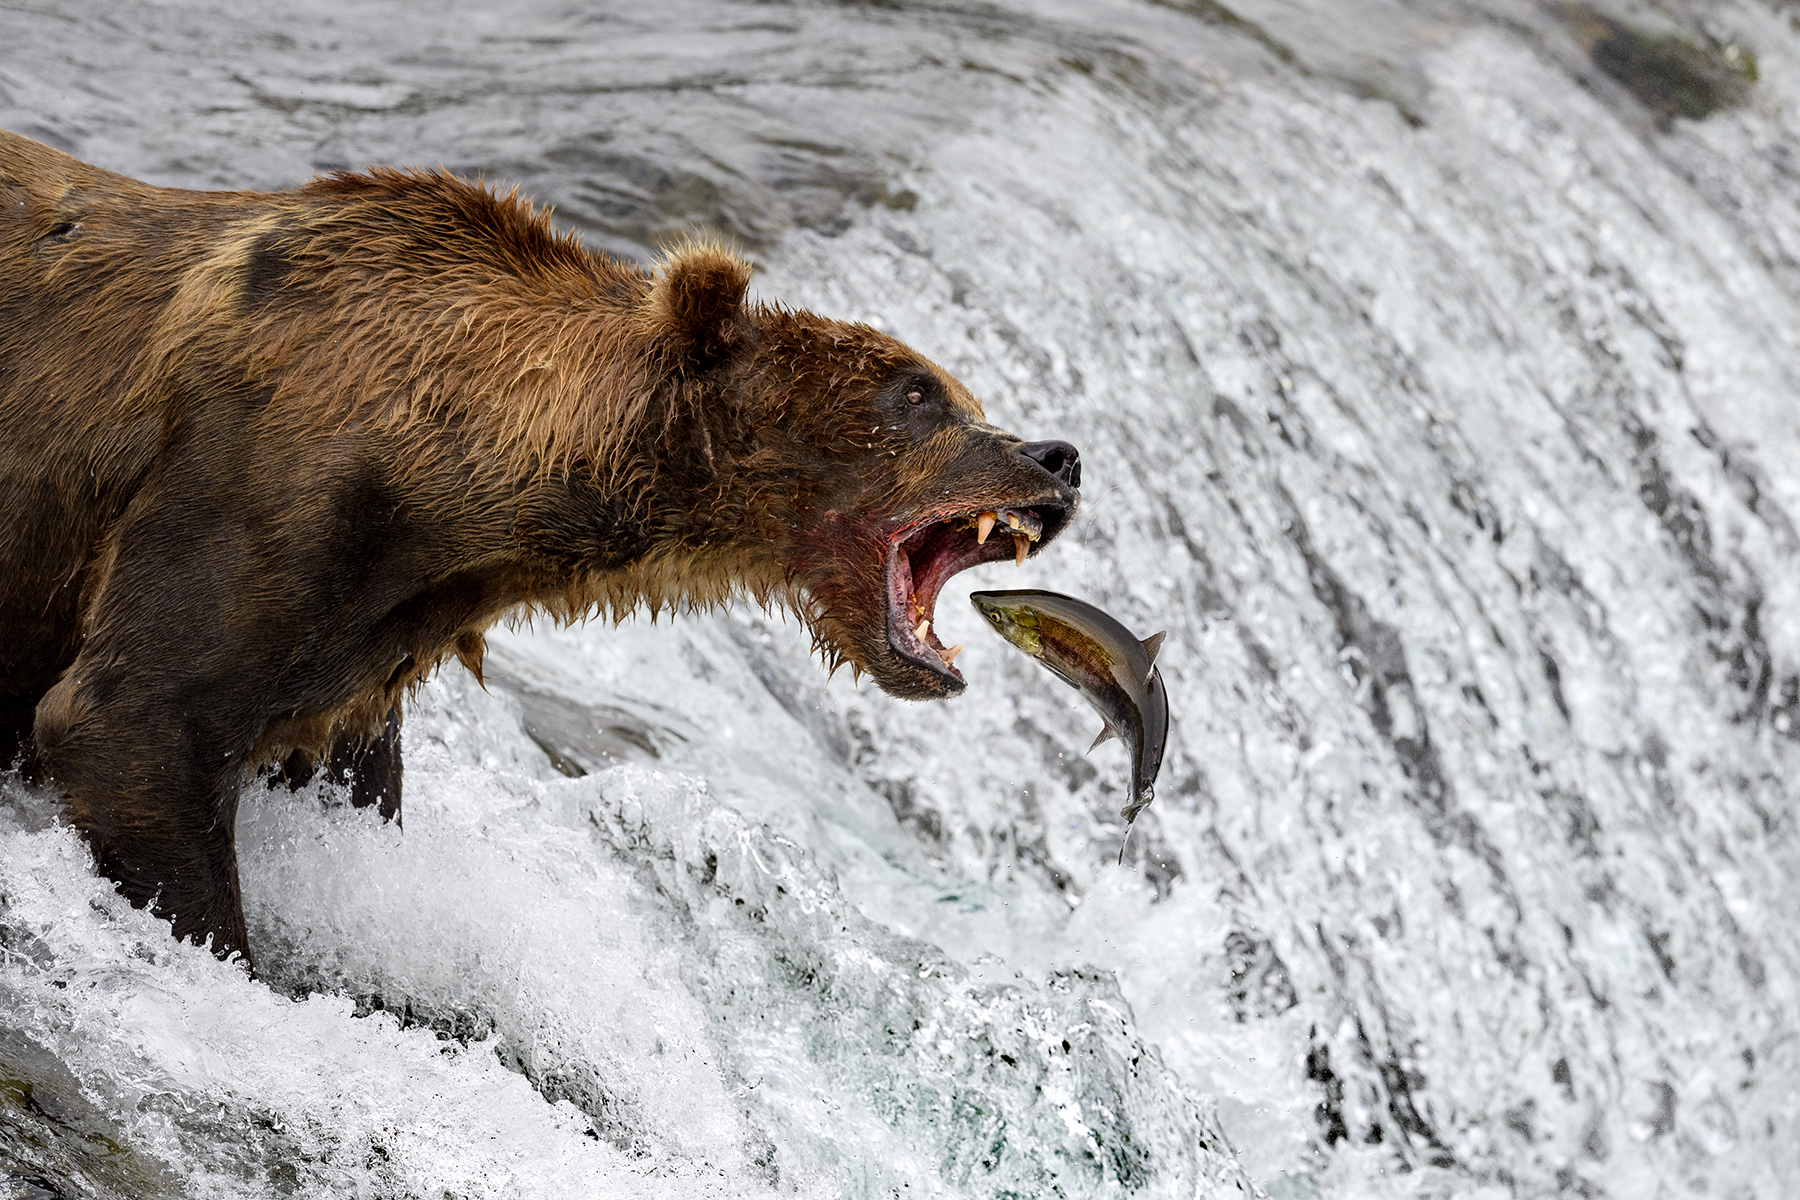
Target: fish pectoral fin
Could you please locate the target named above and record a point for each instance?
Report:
(1106, 732)
(1152, 644)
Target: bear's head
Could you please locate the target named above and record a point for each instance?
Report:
(849, 471)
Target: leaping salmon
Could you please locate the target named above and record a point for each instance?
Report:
(1091, 652)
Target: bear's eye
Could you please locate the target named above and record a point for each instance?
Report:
(915, 396)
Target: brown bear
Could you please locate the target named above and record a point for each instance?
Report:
(267, 459)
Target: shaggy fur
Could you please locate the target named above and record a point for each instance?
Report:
(267, 459)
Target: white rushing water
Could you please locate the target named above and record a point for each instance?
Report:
(1435, 392)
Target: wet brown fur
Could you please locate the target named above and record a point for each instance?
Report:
(267, 459)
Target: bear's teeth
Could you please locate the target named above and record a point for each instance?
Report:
(949, 656)
(1012, 520)
(923, 629)
(1021, 544)
(984, 525)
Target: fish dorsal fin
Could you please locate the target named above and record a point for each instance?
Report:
(1152, 644)
(1106, 732)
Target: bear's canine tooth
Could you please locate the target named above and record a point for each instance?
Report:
(923, 629)
(1021, 544)
(949, 656)
(984, 525)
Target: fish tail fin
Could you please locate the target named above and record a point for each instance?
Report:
(1138, 804)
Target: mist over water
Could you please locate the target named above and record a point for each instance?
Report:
(1433, 369)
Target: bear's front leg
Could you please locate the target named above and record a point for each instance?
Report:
(153, 786)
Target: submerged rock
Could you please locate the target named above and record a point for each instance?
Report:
(1668, 74)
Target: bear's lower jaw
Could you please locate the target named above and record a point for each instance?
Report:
(905, 679)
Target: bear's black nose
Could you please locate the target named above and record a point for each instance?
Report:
(1059, 458)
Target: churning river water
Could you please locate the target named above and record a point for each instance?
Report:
(1434, 368)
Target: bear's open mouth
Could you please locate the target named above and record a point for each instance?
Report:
(924, 555)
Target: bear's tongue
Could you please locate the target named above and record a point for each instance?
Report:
(916, 609)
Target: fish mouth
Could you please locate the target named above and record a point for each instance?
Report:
(924, 555)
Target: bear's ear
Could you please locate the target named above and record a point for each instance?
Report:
(697, 300)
